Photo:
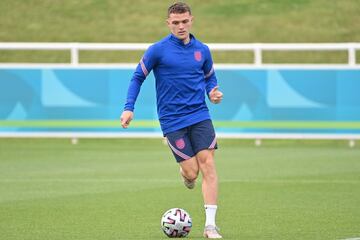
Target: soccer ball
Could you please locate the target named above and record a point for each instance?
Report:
(176, 222)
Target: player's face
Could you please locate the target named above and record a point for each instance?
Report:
(180, 25)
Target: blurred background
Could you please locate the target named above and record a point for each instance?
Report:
(137, 21)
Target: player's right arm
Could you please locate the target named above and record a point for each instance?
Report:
(146, 64)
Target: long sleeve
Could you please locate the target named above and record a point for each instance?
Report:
(146, 64)
(210, 77)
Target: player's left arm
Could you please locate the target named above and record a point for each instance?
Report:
(212, 88)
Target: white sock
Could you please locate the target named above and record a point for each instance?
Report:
(210, 212)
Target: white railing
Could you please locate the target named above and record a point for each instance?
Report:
(256, 48)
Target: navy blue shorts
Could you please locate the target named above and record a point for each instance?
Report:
(187, 142)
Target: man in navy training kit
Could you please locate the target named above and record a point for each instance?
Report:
(183, 70)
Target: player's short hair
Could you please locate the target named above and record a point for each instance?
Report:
(178, 8)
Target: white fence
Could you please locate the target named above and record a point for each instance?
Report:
(256, 48)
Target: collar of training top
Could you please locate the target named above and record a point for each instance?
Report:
(178, 41)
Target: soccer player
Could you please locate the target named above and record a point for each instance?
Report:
(184, 74)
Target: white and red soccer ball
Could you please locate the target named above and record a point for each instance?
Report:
(176, 222)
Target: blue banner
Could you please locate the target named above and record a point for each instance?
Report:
(70, 99)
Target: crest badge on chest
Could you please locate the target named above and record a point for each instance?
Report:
(197, 56)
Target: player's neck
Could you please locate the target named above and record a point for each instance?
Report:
(186, 40)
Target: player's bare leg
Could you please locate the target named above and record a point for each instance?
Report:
(189, 170)
(205, 159)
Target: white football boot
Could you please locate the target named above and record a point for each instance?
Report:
(211, 232)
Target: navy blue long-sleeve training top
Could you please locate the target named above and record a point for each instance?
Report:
(184, 74)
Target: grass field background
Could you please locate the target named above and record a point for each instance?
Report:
(215, 21)
(118, 189)
(246, 21)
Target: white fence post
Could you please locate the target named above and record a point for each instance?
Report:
(258, 55)
(352, 55)
(74, 54)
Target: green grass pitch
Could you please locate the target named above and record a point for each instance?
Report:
(230, 21)
(119, 188)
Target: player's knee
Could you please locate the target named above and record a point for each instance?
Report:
(191, 174)
(206, 160)
(205, 157)
(207, 166)
(208, 171)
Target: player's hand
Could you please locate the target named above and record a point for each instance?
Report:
(215, 95)
(126, 118)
